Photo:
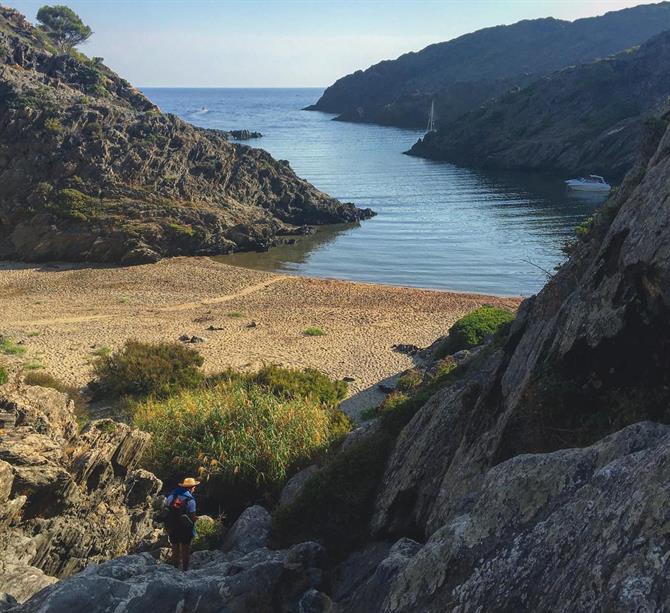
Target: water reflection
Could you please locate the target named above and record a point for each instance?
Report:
(437, 226)
(288, 257)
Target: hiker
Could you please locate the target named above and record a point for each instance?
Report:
(180, 520)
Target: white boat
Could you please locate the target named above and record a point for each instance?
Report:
(592, 183)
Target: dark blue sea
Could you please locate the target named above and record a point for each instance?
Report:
(438, 226)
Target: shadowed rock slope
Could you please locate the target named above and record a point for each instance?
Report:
(91, 170)
(465, 72)
(514, 516)
(590, 118)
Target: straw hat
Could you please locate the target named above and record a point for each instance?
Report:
(189, 482)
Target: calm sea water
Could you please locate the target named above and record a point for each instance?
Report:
(438, 226)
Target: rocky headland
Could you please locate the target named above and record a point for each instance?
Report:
(586, 119)
(92, 171)
(463, 73)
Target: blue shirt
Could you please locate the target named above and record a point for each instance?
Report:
(181, 491)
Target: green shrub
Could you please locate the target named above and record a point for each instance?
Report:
(444, 369)
(139, 369)
(295, 383)
(208, 534)
(235, 314)
(9, 347)
(181, 229)
(313, 331)
(53, 125)
(239, 437)
(409, 381)
(102, 352)
(73, 204)
(584, 228)
(4, 377)
(472, 330)
(393, 401)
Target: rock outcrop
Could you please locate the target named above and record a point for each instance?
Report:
(463, 73)
(67, 499)
(563, 528)
(587, 119)
(92, 171)
(246, 578)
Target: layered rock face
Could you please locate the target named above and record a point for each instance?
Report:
(463, 73)
(67, 499)
(244, 576)
(586, 119)
(513, 516)
(93, 171)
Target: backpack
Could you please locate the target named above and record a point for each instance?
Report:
(176, 513)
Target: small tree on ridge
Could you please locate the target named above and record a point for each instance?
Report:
(63, 26)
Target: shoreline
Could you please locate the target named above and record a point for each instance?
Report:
(65, 314)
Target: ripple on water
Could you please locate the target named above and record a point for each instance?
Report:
(437, 226)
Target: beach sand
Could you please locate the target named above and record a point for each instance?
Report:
(63, 314)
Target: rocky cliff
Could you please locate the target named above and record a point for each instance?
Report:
(67, 499)
(586, 119)
(92, 171)
(465, 72)
(538, 481)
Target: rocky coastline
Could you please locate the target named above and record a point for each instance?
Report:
(92, 171)
(591, 118)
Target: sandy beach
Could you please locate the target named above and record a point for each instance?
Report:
(64, 314)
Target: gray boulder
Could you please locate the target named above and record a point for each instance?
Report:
(263, 580)
(295, 484)
(251, 531)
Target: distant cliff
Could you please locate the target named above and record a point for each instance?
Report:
(465, 72)
(91, 170)
(589, 118)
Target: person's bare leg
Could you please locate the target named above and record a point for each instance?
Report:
(185, 555)
(174, 558)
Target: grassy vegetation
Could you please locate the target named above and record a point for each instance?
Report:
(296, 383)
(140, 369)
(409, 380)
(235, 314)
(73, 204)
(33, 365)
(474, 328)
(4, 377)
(208, 535)
(9, 347)
(53, 125)
(181, 229)
(313, 331)
(242, 437)
(102, 352)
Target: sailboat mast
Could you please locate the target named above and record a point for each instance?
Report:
(431, 118)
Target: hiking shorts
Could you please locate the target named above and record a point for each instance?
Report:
(181, 535)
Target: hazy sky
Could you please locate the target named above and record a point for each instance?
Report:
(284, 43)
